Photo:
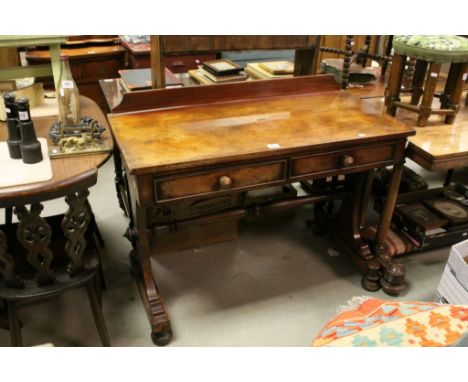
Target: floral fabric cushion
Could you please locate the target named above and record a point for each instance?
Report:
(437, 49)
(372, 322)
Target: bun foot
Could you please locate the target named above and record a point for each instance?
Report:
(370, 285)
(391, 288)
(161, 338)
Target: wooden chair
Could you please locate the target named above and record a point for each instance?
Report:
(42, 257)
(360, 56)
(430, 53)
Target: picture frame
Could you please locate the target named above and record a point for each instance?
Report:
(221, 67)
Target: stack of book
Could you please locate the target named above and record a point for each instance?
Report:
(270, 70)
(217, 72)
(431, 218)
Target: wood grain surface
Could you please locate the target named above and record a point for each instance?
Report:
(67, 172)
(437, 146)
(175, 138)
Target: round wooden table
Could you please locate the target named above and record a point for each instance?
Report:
(71, 178)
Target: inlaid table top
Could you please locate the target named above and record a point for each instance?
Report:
(183, 137)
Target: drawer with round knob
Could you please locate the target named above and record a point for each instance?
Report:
(220, 180)
(342, 161)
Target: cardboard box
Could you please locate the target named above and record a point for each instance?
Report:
(453, 287)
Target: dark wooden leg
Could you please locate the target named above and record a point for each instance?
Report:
(8, 215)
(409, 73)
(97, 312)
(448, 177)
(392, 92)
(457, 90)
(418, 81)
(348, 53)
(161, 332)
(393, 280)
(119, 182)
(14, 324)
(365, 51)
(428, 95)
(388, 51)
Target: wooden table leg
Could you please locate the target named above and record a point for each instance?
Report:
(119, 180)
(393, 280)
(161, 332)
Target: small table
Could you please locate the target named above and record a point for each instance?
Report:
(71, 174)
(196, 143)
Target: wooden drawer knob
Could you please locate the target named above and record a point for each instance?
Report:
(225, 182)
(347, 160)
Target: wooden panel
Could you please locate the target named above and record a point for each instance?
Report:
(174, 44)
(195, 95)
(290, 42)
(334, 161)
(242, 42)
(8, 57)
(210, 183)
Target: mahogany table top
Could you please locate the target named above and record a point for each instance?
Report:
(183, 137)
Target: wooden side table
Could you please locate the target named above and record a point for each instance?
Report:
(72, 176)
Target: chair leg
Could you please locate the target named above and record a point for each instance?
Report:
(97, 312)
(348, 53)
(14, 324)
(457, 90)
(418, 81)
(388, 51)
(392, 92)
(429, 89)
(409, 73)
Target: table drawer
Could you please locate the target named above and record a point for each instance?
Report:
(342, 159)
(214, 182)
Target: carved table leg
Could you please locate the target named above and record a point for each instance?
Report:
(393, 280)
(344, 227)
(119, 180)
(140, 259)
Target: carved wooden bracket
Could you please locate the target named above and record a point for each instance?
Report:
(74, 225)
(7, 265)
(34, 234)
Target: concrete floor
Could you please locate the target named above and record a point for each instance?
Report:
(274, 286)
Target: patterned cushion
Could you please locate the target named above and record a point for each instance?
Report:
(437, 49)
(370, 322)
